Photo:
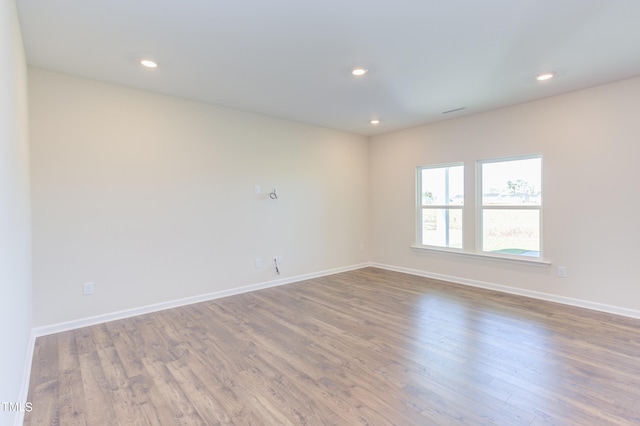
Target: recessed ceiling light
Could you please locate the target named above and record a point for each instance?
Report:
(148, 63)
(374, 121)
(358, 71)
(545, 76)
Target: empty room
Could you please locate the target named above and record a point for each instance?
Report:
(319, 213)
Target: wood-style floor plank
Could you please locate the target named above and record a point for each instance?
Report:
(369, 347)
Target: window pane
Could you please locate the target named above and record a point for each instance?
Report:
(512, 183)
(435, 189)
(442, 227)
(511, 232)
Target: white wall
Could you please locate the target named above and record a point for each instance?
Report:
(152, 197)
(15, 228)
(590, 141)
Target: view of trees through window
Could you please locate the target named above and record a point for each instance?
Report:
(511, 204)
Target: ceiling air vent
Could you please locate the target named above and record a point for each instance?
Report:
(453, 110)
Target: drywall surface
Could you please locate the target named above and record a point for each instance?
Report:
(15, 220)
(153, 198)
(589, 143)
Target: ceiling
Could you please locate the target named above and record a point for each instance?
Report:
(292, 58)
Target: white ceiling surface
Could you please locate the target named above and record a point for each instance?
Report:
(292, 58)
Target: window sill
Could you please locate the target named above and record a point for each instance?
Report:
(510, 259)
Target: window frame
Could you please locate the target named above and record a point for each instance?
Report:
(480, 208)
(420, 207)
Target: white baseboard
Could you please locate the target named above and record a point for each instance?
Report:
(616, 310)
(26, 378)
(99, 319)
(127, 313)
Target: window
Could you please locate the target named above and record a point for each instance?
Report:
(440, 204)
(507, 209)
(510, 197)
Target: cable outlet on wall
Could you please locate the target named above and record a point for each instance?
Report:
(277, 261)
(87, 289)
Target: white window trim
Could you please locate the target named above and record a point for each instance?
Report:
(478, 208)
(523, 260)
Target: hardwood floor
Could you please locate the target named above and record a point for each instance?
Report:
(364, 347)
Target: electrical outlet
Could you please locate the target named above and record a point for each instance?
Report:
(258, 262)
(562, 272)
(87, 289)
(278, 259)
(257, 189)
